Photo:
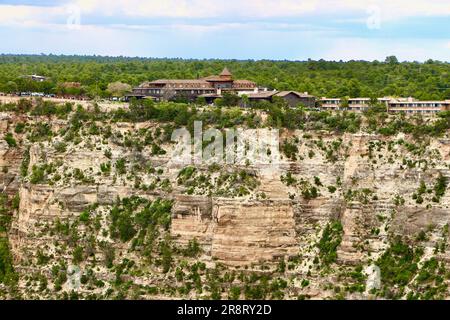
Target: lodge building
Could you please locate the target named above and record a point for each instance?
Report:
(394, 105)
(413, 106)
(213, 87)
(190, 89)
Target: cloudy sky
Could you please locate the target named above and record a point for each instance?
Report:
(237, 29)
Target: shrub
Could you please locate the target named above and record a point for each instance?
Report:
(328, 244)
(398, 265)
(25, 163)
(120, 166)
(77, 255)
(440, 187)
(60, 147)
(193, 249)
(10, 140)
(20, 128)
(6, 266)
(37, 175)
(105, 168)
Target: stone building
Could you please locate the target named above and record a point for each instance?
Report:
(190, 89)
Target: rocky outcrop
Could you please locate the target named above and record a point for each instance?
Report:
(368, 183)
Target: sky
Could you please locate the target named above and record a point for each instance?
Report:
(412, 30)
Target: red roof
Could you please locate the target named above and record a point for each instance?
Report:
(226, 73)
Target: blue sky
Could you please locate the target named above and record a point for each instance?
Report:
(235, 29)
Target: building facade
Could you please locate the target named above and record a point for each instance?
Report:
(355, 104)
(413, 106)
(191, 89)
(293, 98)
(394, 105)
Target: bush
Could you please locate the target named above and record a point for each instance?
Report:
(60, 147)
(398, 265)
(440, 187)
(6, 266)
(20, 128)
(193, 249)
(330, 241)
(10, 140)
(25, 163)
(120, 166)
(77, 255)
(37, 175)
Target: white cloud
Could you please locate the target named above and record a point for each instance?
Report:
(121, 10)
(392, 9)
(26, 15)
(198, 8)
(368, 49)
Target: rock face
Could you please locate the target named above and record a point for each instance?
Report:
(236, 232)
(253, 232)
(370, 184)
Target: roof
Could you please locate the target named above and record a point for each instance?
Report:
(244, 83)
(215, 79)
(225, 73)
(178, 81)
(178, 84)
(419, 102)
(261, 95)
(300, 95)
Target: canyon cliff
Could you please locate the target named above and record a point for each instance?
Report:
(102, 213)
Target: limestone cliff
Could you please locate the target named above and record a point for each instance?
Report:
(92, 221)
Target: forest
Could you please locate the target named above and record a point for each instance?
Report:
(425, 81)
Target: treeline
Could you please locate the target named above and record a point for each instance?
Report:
(429, 80)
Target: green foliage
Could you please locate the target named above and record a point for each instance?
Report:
(330, 241)
(60, 147)
(126, 222)
(105, 168)
(40, 131)
(332, 189)
(5, 213)
(49, 108)
(323, 78)
(77, 255)
(6, 266)
(20, 128)
(25, 163)
(121, 166)
(40, 173)
(440, 187)
(290, 149)
(9, 138)
(398, 266)
(193, 249)
(430, 281)
(185, 174)
(289, 179)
